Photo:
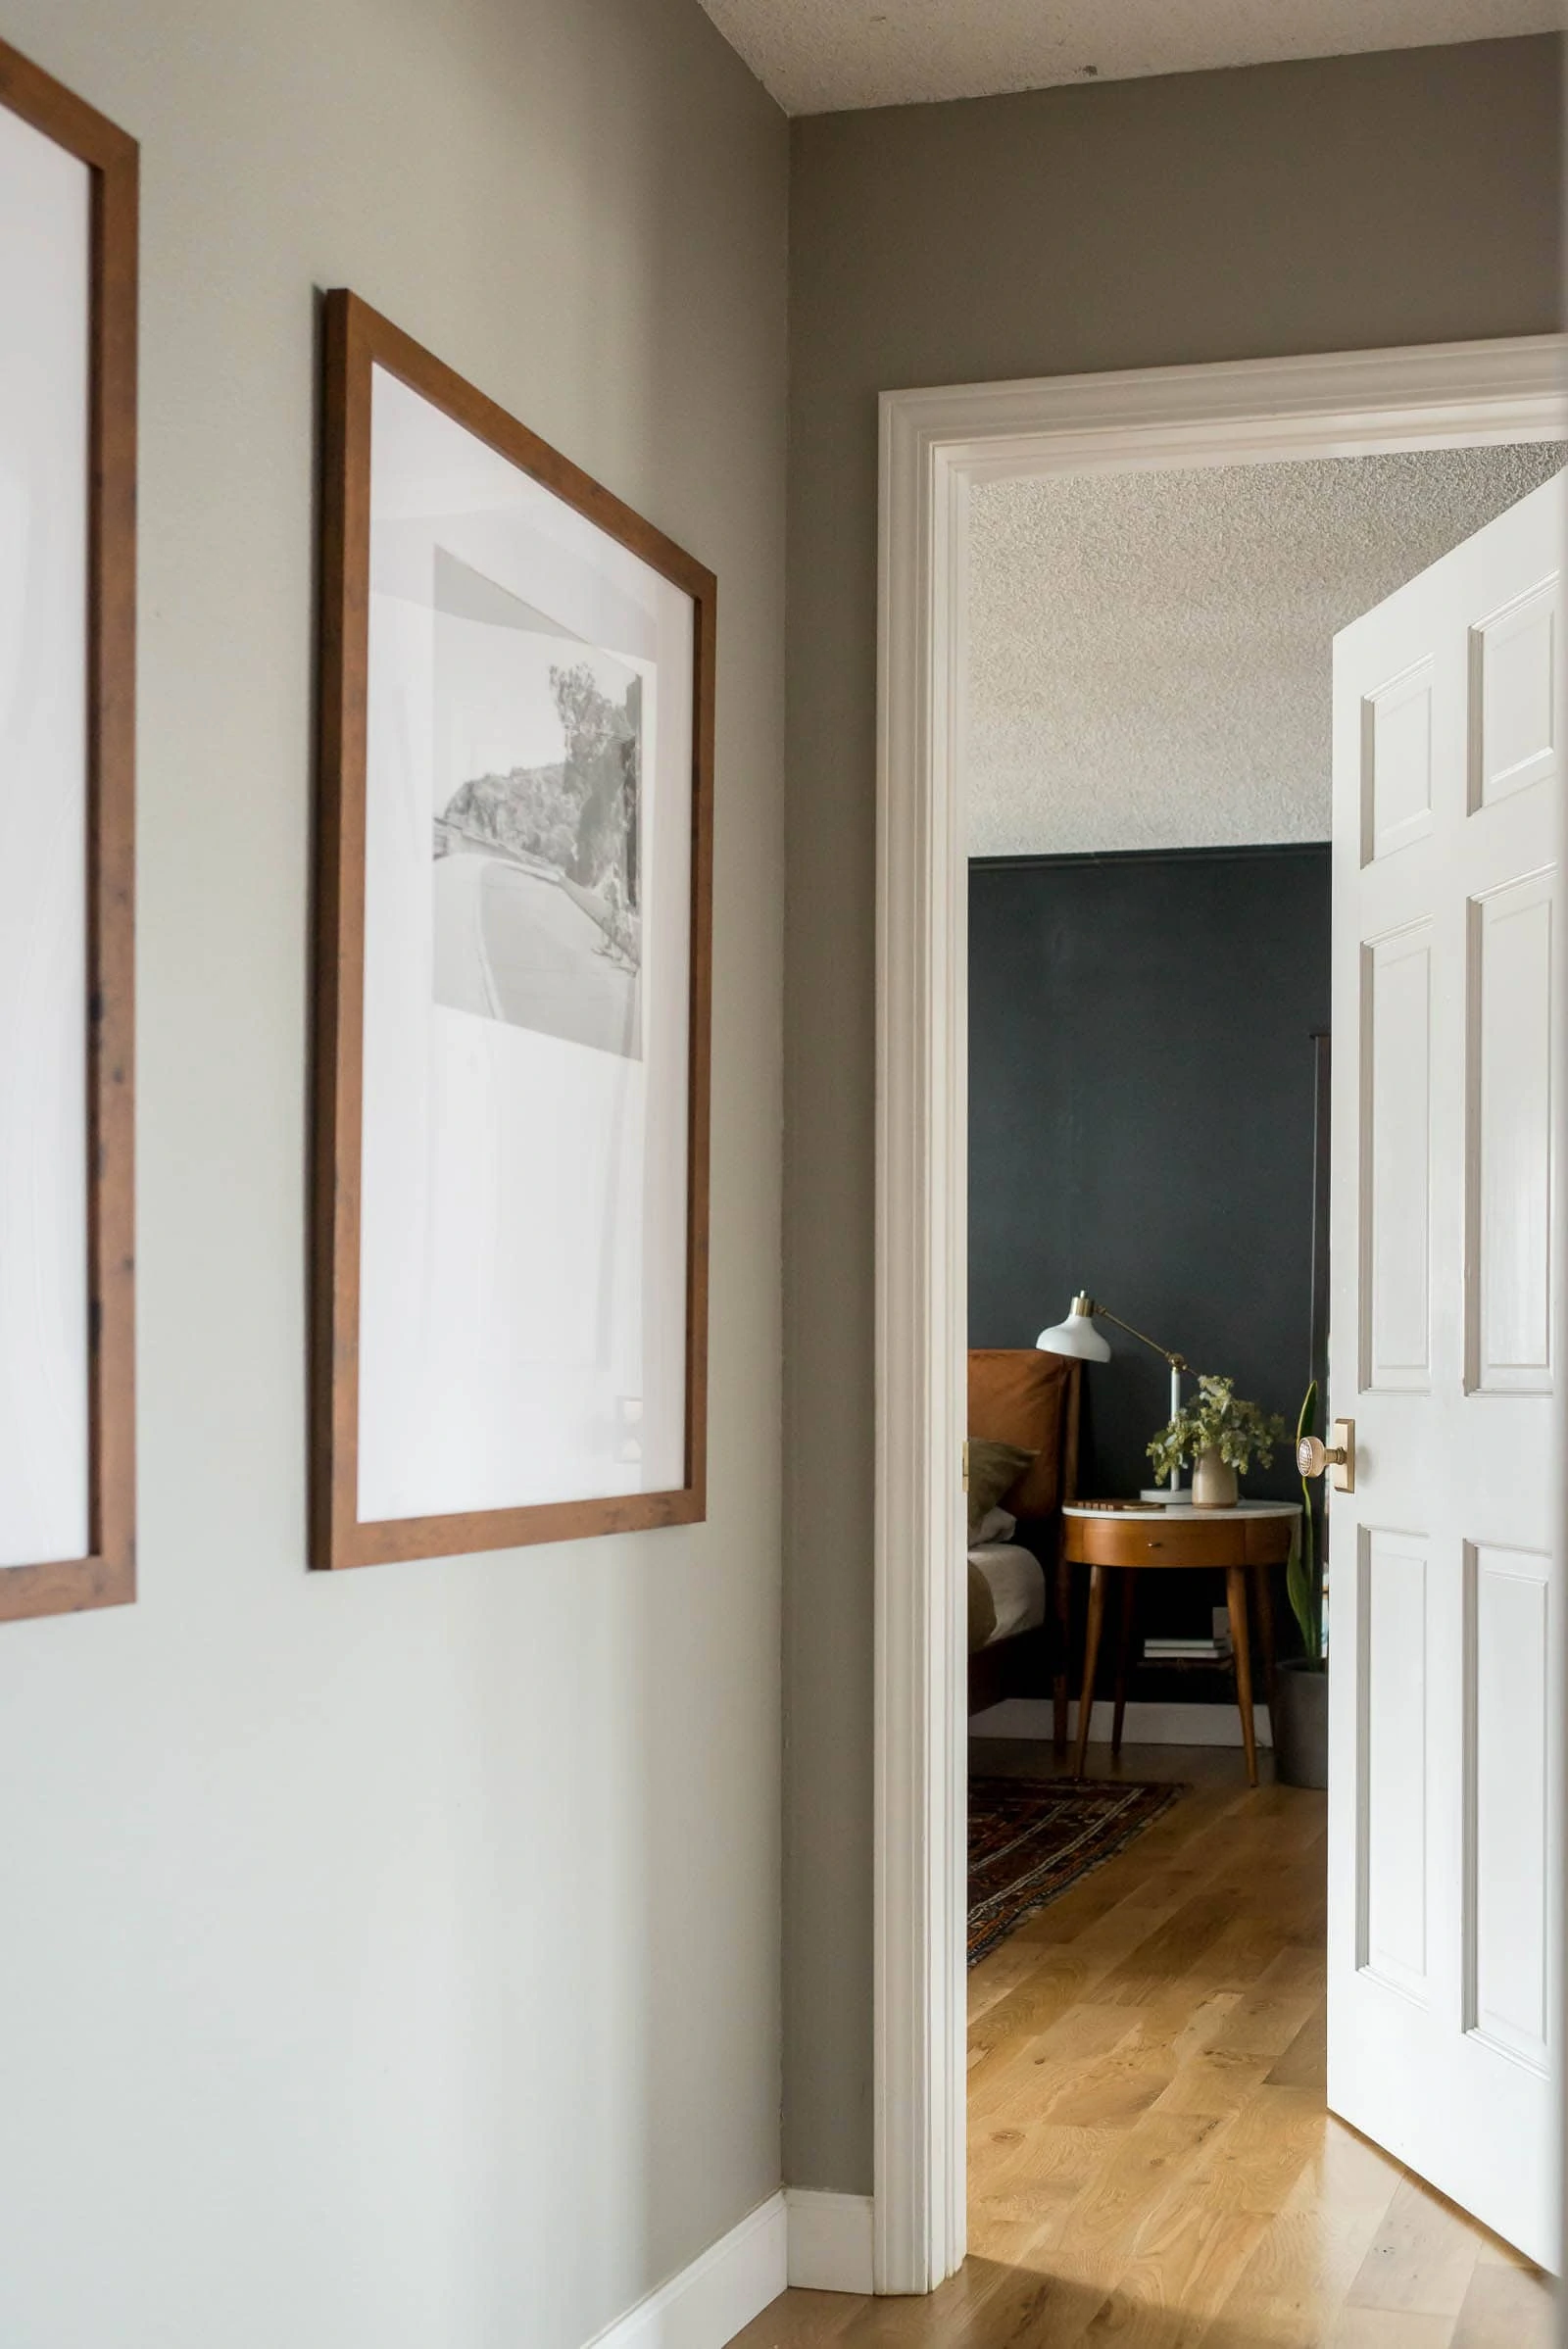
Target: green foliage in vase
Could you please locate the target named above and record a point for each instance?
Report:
(1303, 1582)
(1219, 1420)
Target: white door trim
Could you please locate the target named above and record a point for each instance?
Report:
(934, 443)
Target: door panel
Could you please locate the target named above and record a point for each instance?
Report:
(1509, 1149)
(1393, 1713)
(1396, 1141)
(1513, 666)
(1444, 1814)
(1506, 1787)
(1397, 762)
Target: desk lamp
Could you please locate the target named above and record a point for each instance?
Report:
(1078, 1339)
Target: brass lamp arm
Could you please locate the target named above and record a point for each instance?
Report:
(1103, 1313)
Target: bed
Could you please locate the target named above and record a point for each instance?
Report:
(1016, 1588)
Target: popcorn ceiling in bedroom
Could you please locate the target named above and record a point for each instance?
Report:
(1149, 662)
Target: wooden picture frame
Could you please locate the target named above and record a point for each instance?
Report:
(364, 355)
(105, 1572)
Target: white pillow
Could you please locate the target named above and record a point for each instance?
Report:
(997, 1525)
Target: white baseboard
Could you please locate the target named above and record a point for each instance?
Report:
(1146, 1724)
(830, 2241)
(716, 2298)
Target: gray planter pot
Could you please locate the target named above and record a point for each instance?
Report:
(1300, 1721)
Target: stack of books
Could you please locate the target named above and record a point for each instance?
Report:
(1215, 1649)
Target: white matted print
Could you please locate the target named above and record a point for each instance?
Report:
(45, 1404)
(531, 1132)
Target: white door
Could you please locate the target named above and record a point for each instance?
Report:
(1443, 1948)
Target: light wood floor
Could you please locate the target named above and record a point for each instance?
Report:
(1151, 2163)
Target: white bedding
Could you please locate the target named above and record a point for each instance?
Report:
(1018, 1584)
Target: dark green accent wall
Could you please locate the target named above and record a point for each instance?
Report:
(1141, 1087)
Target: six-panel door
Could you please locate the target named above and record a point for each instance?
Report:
(1444, 1812)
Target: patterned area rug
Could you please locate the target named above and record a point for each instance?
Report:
(1031, 1838)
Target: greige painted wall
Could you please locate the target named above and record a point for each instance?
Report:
(1400, 198)
(392, 1959)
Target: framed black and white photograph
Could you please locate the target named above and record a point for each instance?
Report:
(67, 460)
(512, 981)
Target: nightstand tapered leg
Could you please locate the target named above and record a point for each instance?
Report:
(1241, 1642)
(1125, 1649)
(1086, 1705)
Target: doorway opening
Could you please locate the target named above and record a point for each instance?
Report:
(943, 455)
(1148, 757)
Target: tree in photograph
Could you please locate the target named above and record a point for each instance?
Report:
(579, 815)
(603, 762)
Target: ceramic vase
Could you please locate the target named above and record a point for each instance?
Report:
(1214, 1484)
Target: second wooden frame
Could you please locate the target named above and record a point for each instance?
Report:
(358, 342)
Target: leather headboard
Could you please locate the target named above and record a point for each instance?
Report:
(1020, 1396)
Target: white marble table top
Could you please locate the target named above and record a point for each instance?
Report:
(1179, 1510)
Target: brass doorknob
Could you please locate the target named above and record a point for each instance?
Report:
(1312, 1455)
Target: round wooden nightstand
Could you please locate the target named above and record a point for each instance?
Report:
(1119, 1536)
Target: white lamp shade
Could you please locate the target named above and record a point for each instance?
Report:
(1076, 1337)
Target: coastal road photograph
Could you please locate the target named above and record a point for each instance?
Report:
(513, 942)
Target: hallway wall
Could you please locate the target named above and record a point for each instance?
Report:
(390, 1960)
(1405, 197)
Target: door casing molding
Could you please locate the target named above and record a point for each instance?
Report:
(934, 444)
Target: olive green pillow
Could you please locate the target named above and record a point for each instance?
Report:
(994, 1470)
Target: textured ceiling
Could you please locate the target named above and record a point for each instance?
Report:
(817, 56)
(1150, 662)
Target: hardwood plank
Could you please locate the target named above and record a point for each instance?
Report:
(1019, 2203)
(1097, 2235)
(1390, 2328)
(1310, 2254)
(1423, 2259)
(799, 2319)
(1047, 2067)
(1170, 2294)
(1253, 2163)
(1304, 2062)
(1506, 2308)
